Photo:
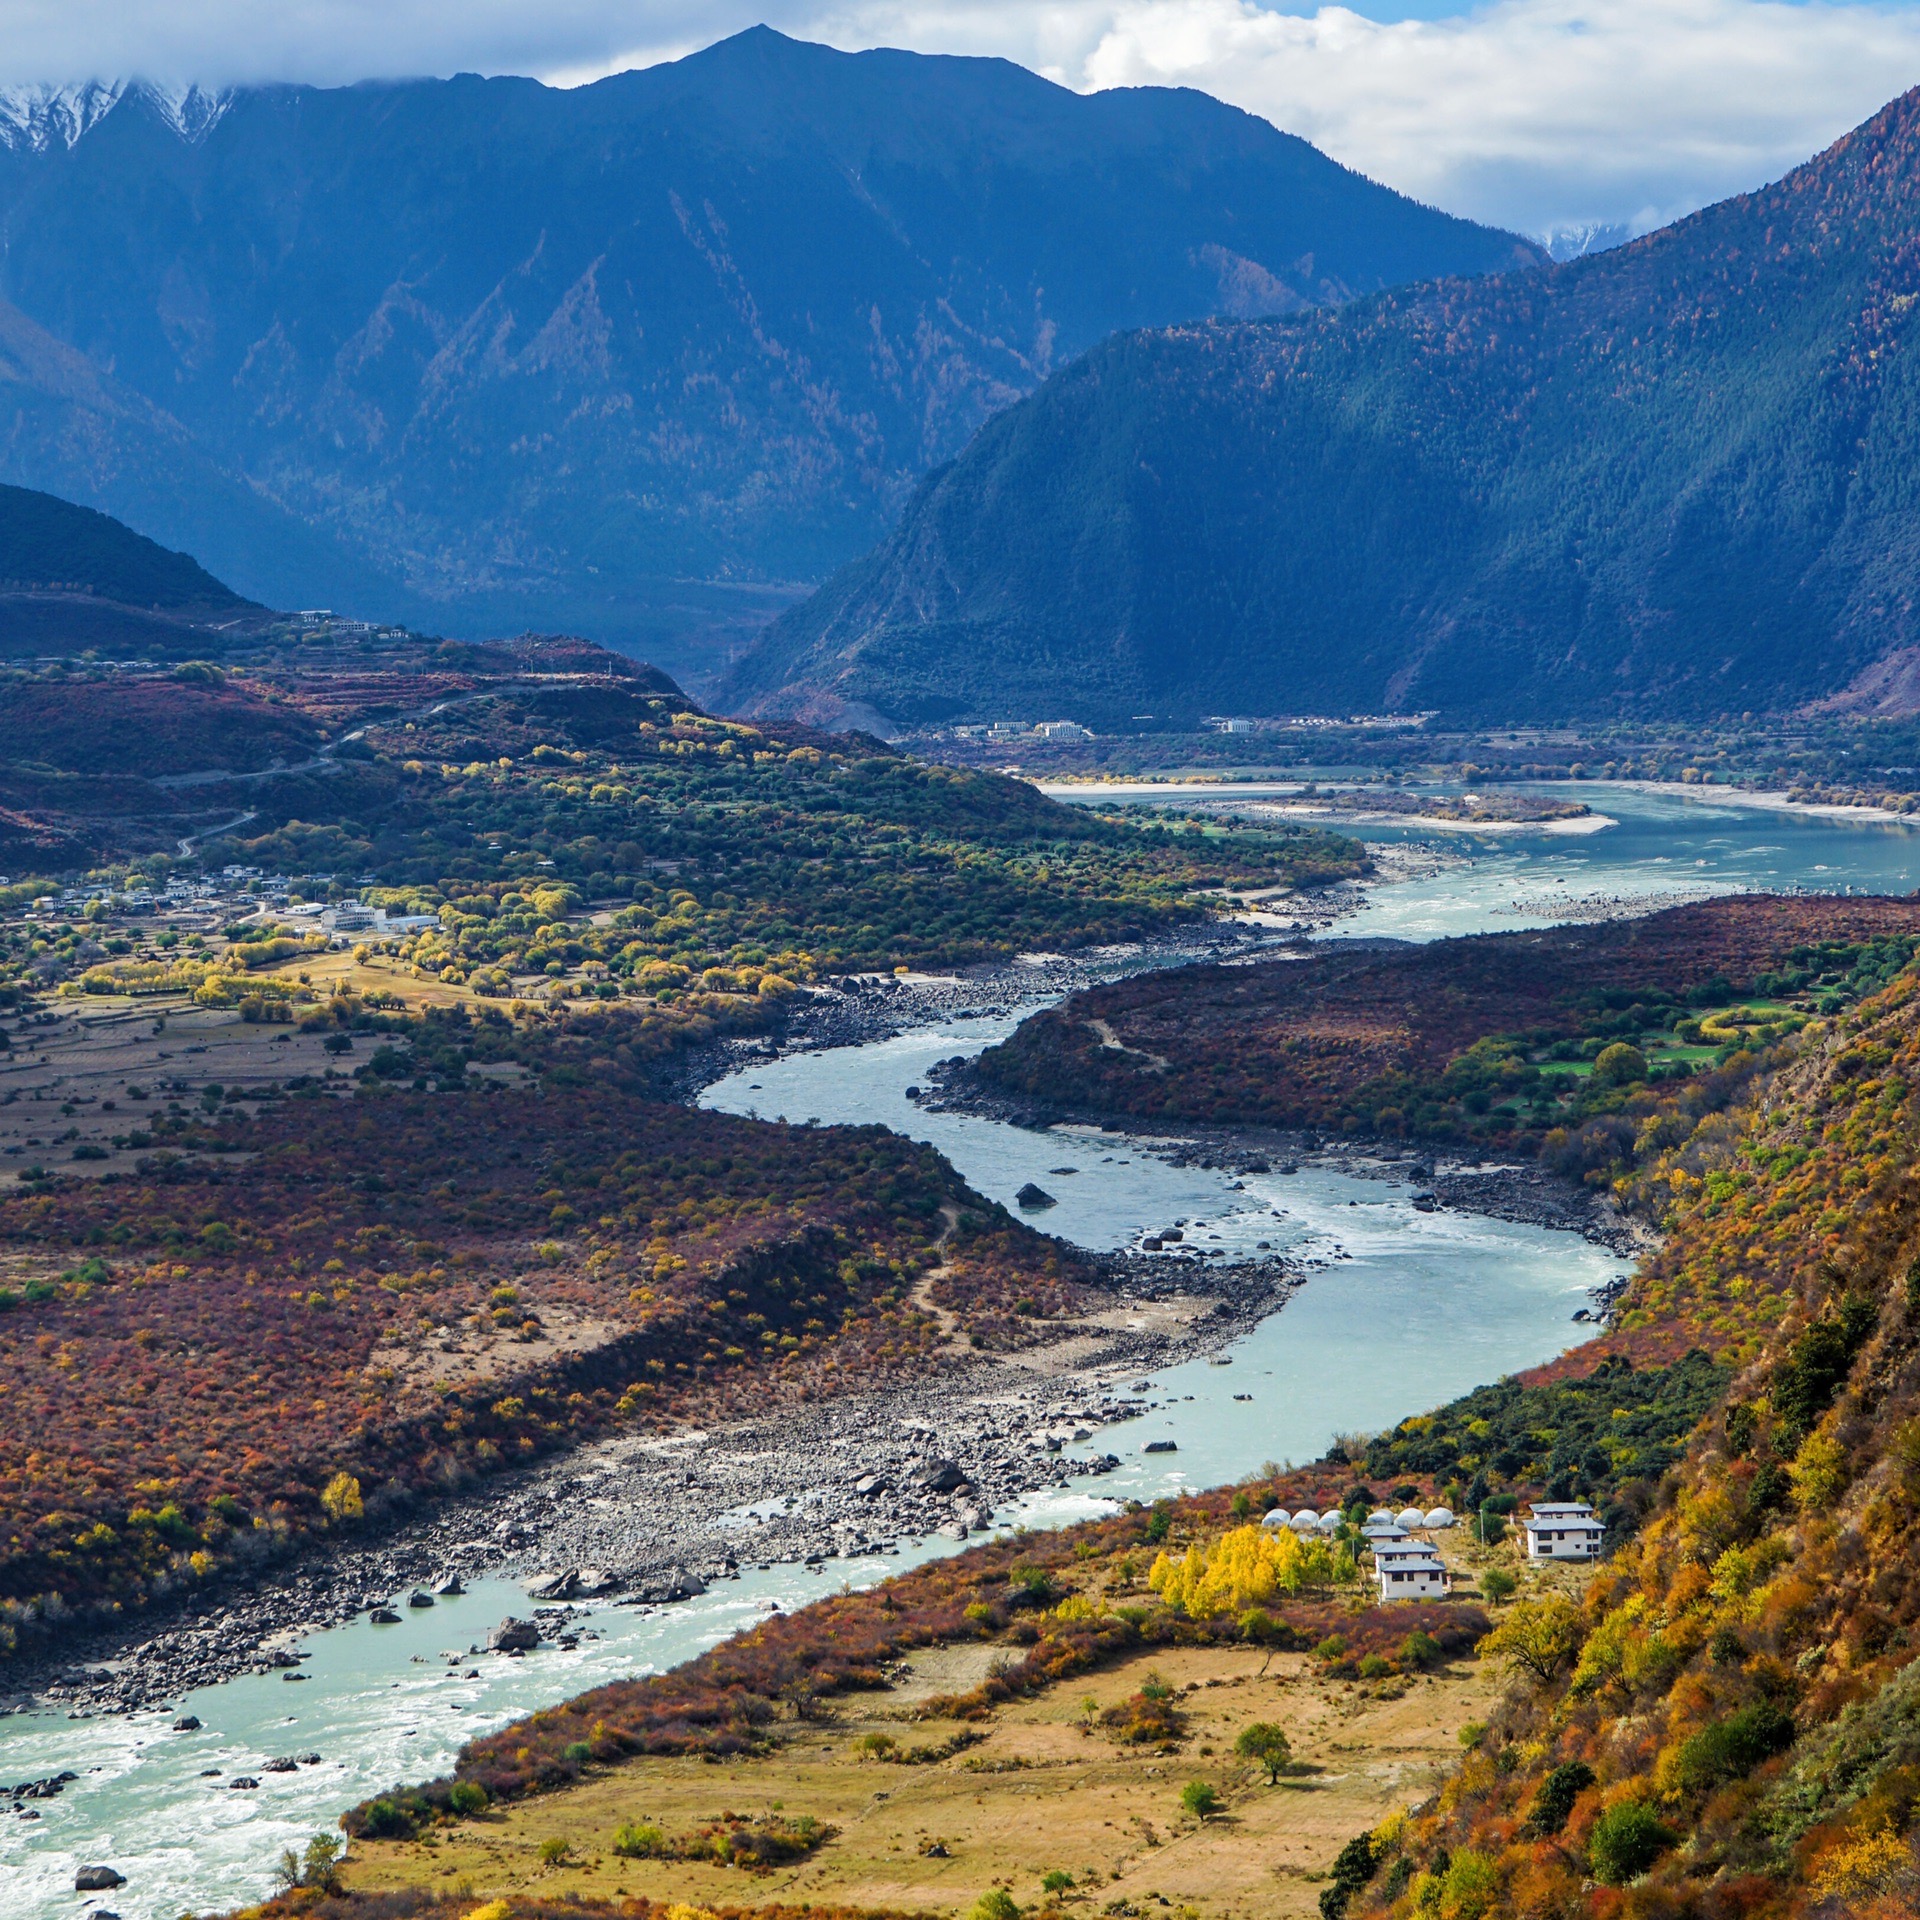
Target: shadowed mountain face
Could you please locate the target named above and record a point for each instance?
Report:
(73, 580)
(643, 351)
(1676, 477)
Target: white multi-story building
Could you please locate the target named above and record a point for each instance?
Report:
(1562, 1530)
(1410, 1570)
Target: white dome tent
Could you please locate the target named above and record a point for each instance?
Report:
(1305, 1521)
(1439, 1518)
(1276, 1519)
(1329, 1521)
(1411, 1517)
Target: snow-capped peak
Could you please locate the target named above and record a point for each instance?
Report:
(34, 119)
(191, 111)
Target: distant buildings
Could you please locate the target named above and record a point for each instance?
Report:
(1222, 723)
(1025, 730)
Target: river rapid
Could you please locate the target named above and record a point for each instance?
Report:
(1400, 1310)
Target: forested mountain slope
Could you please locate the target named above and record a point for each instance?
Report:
(604, 356)
(1676, 478)
(49, 545)
(1728, 1724)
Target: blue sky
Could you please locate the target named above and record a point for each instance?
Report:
(1535, 114)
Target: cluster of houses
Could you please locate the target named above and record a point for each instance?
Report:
(1025, 730)
(1410, 1568)
(1406, 1568)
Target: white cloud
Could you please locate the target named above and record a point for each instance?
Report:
(1534, 113)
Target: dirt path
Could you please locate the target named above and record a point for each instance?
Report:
(952, 1339)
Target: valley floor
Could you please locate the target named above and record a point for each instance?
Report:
(1045, 1790)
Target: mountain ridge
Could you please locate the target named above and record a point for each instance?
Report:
(1672, 475)
(531, 356)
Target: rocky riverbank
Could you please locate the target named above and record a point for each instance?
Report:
(650, 1519)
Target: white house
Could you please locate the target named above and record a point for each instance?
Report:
(1414, 1571)
(1562, 1530)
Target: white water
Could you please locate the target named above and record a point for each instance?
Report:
(1427, 1305)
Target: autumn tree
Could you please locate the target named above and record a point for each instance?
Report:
(1540, 1638)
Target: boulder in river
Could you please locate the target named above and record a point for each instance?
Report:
(419, 1597)
(1161, 1446)
(1033, 1198)
(676, 1583)
(514, 1636)
(556, 1586)
(98, 1880)
(187, 1723)
(245, 1783)
(450, 1588)
(384, 1617)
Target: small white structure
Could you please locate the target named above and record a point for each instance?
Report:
(1275, 1519)
(1305, 1521)
(1414, 1571)
(1562, 1530)
(1380, 1513)
(1411, 1517)
(1439, 1518)
(1329, 1522)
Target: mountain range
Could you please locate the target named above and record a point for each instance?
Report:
(1675, 478)
(640, 358)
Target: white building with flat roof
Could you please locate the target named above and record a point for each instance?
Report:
(1562, 1530)
(1410, 1570)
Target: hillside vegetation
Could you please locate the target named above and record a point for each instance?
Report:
(307, 1304)
(1590, 1045)
(589, 830)
(52, 546)
(1670, 480)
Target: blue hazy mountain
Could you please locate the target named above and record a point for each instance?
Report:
(1679, 477)
(640, 355)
